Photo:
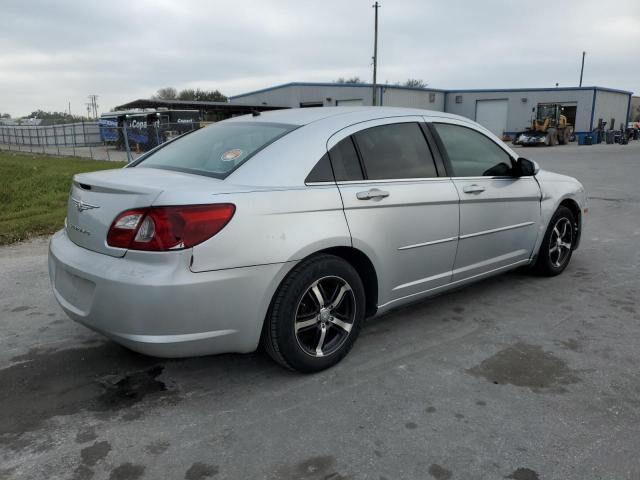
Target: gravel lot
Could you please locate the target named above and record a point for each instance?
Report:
(517, 377)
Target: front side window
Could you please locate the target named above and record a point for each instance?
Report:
(216, 150)
(472, 154)
(395, 151)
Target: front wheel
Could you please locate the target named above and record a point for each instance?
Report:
(315, 315)
(557, 244)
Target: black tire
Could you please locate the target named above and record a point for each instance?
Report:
(552, 262)
(295, 299)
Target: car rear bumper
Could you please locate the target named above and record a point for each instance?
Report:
(154, 304)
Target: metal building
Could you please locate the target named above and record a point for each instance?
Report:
(506, 112)
(299, 94)
(503, 111)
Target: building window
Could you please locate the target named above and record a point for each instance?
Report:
(311, 104)
(432, 97)
(458, 98)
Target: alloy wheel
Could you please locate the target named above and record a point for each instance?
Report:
(325, 316)
(560, 242)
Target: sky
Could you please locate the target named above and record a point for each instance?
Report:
(56, 52)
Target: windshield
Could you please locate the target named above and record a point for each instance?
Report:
(546, 111)
(216, 150)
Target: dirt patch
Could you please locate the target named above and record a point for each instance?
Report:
(524, 474)
(200, 471)
(438, 472)
(314, 468)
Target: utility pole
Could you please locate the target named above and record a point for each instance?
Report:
(582, 68)
(376, 6)
(94, 105)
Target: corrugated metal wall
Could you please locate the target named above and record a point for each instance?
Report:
(608, 104)
(520, 111)
(296, 95)
(611, 105)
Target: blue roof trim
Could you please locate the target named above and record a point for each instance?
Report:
(427, 89)
(547, 89)
(333, 84)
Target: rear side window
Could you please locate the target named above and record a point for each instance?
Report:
(344, 160)
(321, 172)
(395, 151)
(216, 150)
(472, 154)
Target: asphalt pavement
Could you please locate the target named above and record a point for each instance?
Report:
(516, 377)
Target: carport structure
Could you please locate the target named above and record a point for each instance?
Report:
(209, 111)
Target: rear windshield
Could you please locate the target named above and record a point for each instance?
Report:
(216, 150)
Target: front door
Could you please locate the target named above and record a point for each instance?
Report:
(499, 213)
(400, 213)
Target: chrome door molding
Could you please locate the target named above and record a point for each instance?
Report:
(426, 244)
(450, 285)
(495, 230)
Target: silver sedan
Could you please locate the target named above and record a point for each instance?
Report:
(289, 228)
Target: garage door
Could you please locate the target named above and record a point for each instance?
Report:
(354, 102)
(492, 114)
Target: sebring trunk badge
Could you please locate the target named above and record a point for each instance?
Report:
(82, 206)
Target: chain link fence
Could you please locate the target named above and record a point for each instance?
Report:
(101, 140)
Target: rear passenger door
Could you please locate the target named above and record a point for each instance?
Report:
(499, 212)
(399, 211)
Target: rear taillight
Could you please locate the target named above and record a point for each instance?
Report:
(168, 228)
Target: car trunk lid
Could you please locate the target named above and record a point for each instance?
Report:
(96, 199)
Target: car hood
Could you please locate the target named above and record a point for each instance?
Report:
(547, 176)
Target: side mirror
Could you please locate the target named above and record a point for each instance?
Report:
(526, 168)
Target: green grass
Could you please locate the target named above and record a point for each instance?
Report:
(34, 191)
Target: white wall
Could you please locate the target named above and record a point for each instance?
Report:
(293, 95)
(520, 112)
(611, 105)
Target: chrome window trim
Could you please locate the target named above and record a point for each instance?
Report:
(318, 184)
(497, 177)
(394, 180)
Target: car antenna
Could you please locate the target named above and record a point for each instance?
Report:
(255, 113)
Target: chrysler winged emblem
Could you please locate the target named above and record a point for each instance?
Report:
(82, 206)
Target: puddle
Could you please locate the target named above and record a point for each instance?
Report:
(528, 366)
(105, 378)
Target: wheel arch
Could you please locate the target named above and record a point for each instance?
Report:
(363, 265)
(573, 206)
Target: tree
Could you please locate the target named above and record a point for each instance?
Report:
(197, 95)
(5, 115)
(166, 93)
(355, 79)
(415, 83)
(202, 95)
(51, 118)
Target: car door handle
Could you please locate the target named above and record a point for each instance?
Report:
(473, 188)
(372, 194)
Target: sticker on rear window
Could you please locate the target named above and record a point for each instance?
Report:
(231, 155)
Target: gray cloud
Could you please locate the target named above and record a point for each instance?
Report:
(54, 52)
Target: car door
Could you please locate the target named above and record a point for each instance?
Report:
(499, 212)
(399, 211)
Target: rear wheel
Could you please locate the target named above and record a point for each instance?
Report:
(557, 244)
(316, 314)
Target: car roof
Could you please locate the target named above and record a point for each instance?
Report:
(341, 115)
